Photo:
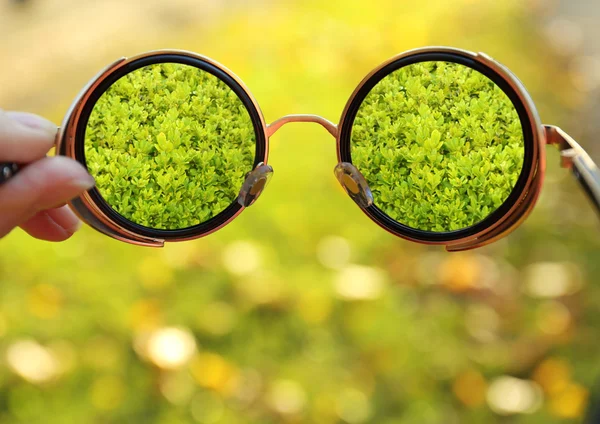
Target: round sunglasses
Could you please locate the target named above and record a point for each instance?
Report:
(437, 145)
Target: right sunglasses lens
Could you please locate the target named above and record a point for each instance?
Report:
(169, 145)
(440, 145)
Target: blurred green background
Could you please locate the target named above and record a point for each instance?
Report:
(302, 310)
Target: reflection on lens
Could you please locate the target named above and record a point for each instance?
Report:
(169, 146)
(440, 145)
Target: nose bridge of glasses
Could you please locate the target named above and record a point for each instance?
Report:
(328, 125)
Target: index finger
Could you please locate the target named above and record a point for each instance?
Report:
(24, 137)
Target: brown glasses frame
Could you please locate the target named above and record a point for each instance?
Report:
(90, 208)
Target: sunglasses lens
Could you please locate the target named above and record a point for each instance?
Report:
(169, 146)
(440, 145)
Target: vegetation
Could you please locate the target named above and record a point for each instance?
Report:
(302, 311)
(440, 145)
(169, 146)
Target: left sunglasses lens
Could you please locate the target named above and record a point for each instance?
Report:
(169, 145)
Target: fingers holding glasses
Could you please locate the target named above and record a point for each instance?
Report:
(29, 197)
(52, 224)
(24, 137)
(40, 186)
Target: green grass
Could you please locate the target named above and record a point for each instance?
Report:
(440, 145)
(169, 145)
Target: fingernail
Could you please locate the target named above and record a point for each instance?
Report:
(33, 121)
(72, 229)
(64, 218)
(85, 182)
(73, 173)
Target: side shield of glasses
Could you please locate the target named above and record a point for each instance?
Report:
(436, 145)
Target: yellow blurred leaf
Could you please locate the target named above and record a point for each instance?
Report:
(570, 402)
(460, 272)
(145, 314)
(553, 375)
(470, 388)
(214, 372)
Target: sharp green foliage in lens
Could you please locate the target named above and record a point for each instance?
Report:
(169, 146)
(440, 144)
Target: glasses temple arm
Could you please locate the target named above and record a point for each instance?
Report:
(575, 158)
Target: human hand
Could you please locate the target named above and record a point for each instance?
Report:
(35, 198)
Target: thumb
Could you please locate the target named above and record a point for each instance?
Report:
(42, 185)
